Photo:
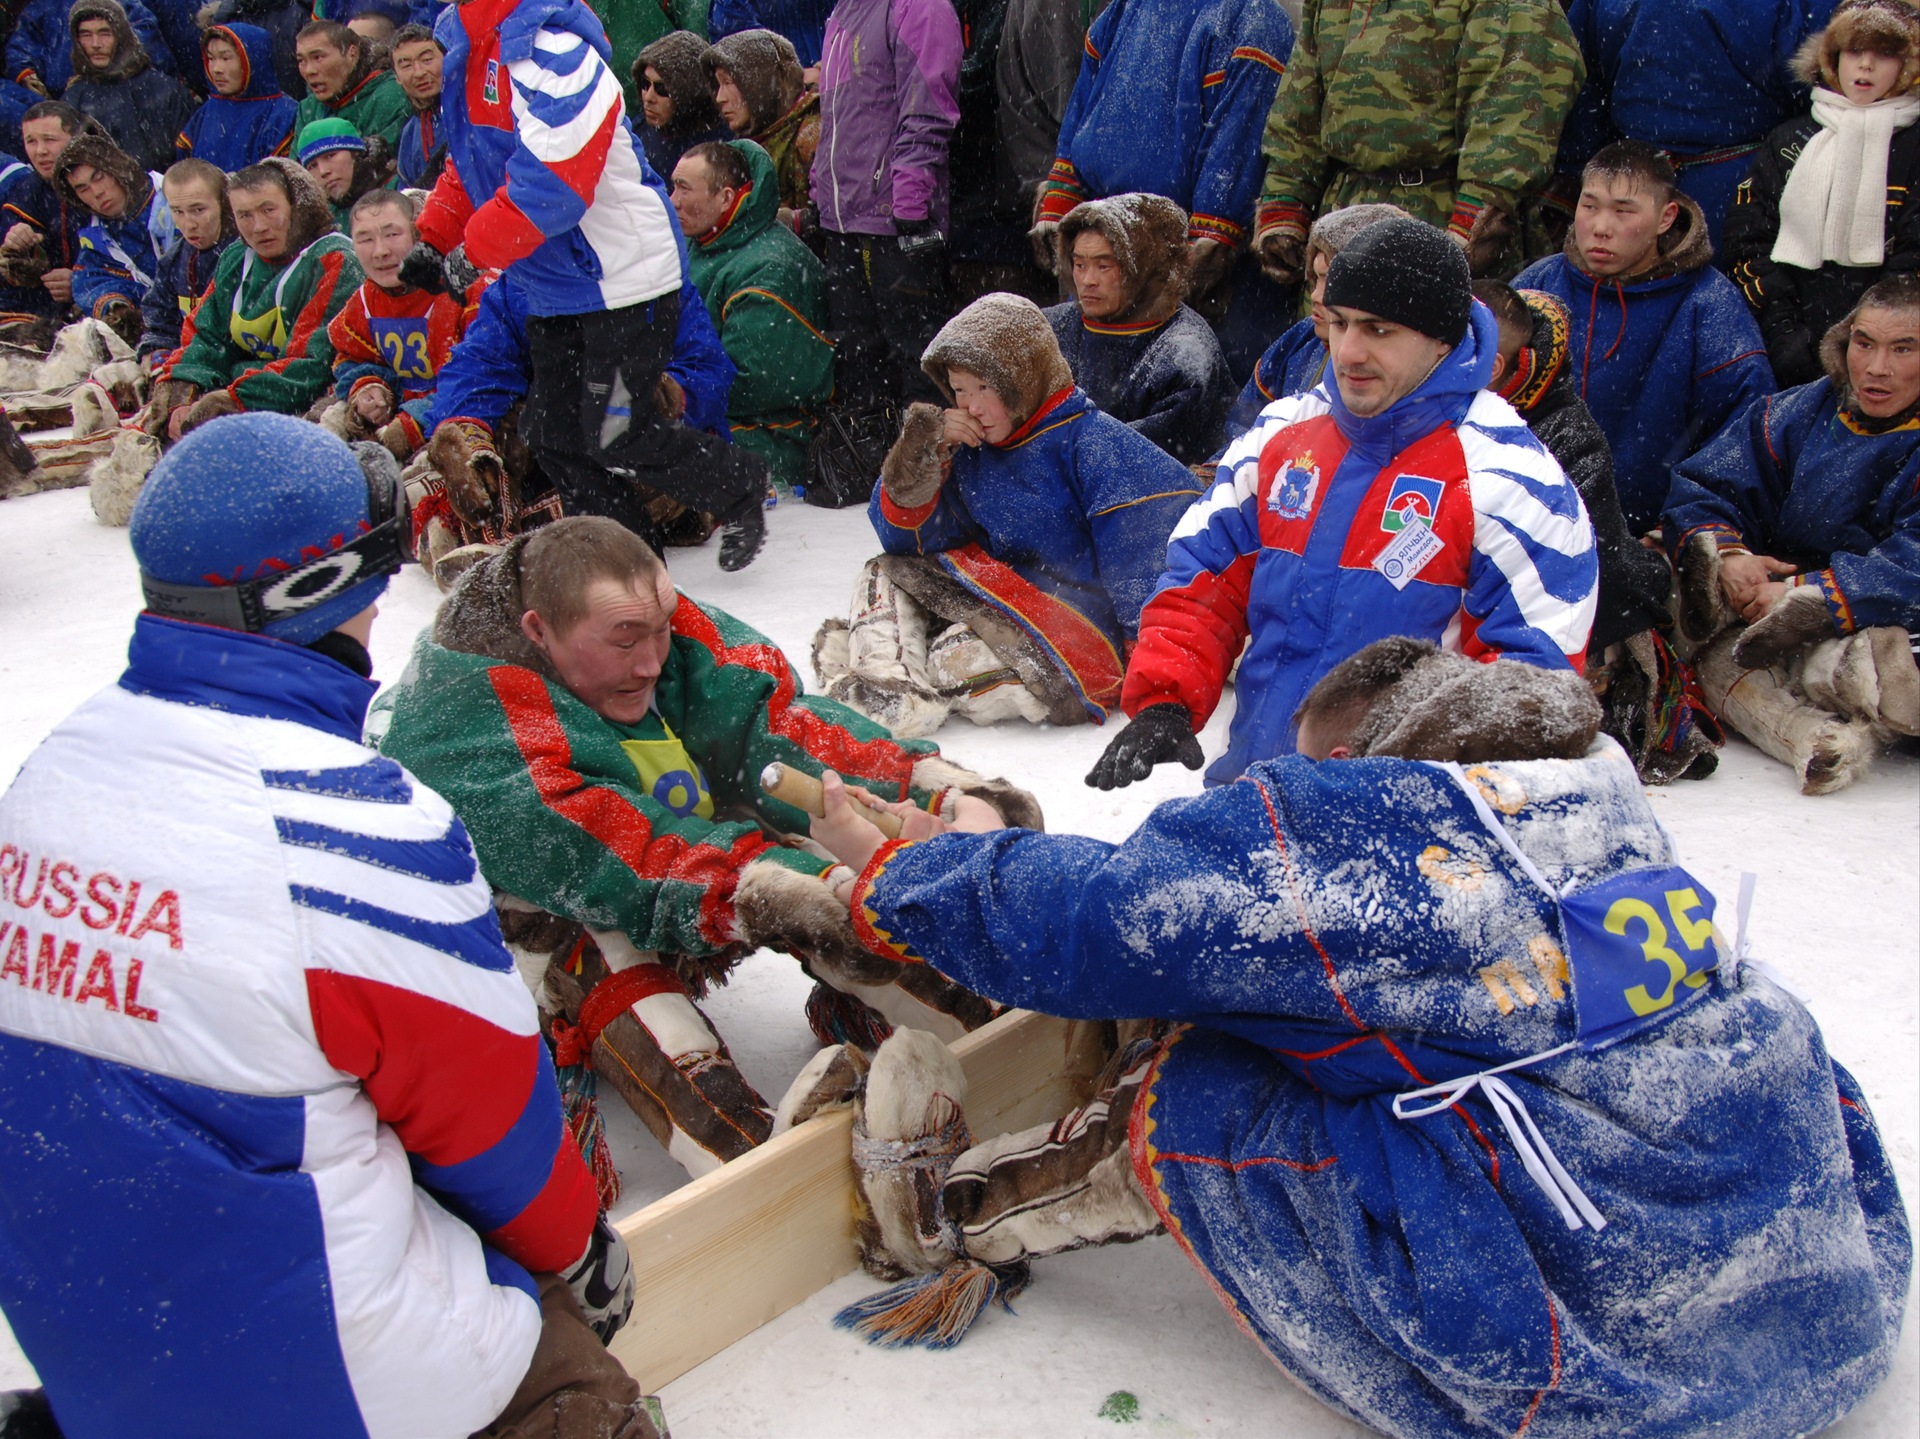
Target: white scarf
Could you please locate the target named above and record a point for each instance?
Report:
(1834, 207)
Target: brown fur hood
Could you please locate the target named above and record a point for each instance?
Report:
(1149, 238)
(1683, 249)
(129, 55)
(311, 217)
(482, 615)
(1007, 342)
(1884, 27)
(765, 66)
(1336, 229)
(97, 150)
(678, 56)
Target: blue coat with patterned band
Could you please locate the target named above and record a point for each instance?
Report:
(1339, 933)
(1797, 477)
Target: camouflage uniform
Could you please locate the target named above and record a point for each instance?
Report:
(1369, 110)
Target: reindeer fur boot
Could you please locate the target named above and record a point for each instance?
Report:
(114, 481)
(908, 1128)
(1798, 619)
(1703, 608)
(1827, 752)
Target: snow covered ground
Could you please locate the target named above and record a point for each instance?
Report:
(1838, 912)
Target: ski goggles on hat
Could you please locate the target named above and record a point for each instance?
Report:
(252, 605)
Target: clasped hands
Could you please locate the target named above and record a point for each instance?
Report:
(851, 837)
(1750, 585)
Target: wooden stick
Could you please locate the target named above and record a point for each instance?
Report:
(804, 792)
(721, 1256)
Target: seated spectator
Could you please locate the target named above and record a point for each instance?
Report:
(416, 69)
(115, 81)
(631, 29)
(484, 486)
(40, 51)
(282, 20)
(259, 342)
(196, 195)
(1647, 692)
(1139, 353)
(343, 83)
(246, 118)
(1450, 111)
(1665, 348)
(1297, 361)
(131, 229)
(390, 340)
(676, 100)
(570, 652)
(342, 164)
(880, 187)
(1023, 530)
(1407, 1138)
(764, 291)
(760, 93)
(1383, 504)
(1802, 250)
(1796, 533)
(42, 240)
(1171, 100)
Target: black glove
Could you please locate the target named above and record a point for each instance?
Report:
(424, 269)
(602, 1280)
(1159, 733)
(460, 271)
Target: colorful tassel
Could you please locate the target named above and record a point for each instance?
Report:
(838, 1018)
(580, 1108)
(935, 1310)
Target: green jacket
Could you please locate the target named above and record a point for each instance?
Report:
(564, 817)
(767, 295)
(262, 330)
(376, 106)
(1373, 91)
(632, 25)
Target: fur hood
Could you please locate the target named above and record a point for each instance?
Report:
(766, 68)
(482, 615)
(312, 217)
(1885, 27)
(102, 154)
(1684, 249)
(129, 55)
(1336, 229)
(1007, 342)
(1443, 706)
(678, 56)
(1149, 238)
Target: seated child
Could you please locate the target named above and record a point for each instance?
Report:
(1023, 531)
(1824, 212)
(1453, 1152)
(390, 340)
(196, 195)
(131, 228)
(1663, 348)
(1797, 539)
(246, 118)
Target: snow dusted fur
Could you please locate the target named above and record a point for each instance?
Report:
(78, 351)
(831, 1080)
(1884, 27)
(1007, 342)
(114, 481)
(1017, 808)
(1827, 752)
(778, 908)
(1799, 618)
(913, 469)
(1148, 234)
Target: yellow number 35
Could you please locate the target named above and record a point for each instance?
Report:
(1695, 931)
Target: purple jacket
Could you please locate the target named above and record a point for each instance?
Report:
(889, 70)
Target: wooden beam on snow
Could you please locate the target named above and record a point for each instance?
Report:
(724, 1254)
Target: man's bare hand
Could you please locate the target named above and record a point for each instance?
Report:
(1743, 577)
(374, 404)
(59, 284)
(21, 237)
(852, 838)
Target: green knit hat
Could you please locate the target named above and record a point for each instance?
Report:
(332, 133)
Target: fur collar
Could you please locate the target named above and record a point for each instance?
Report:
(482, 615)
(1684, 249)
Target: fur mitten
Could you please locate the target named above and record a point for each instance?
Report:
(1486, 242)
(1703, 608)
(469, 466)
(168, 396)
(123, 318)
(914, 468)
(22, 263)
(832, 1079)
(1016, 807)
(1798, 618)
(210, 406)
(778, 908)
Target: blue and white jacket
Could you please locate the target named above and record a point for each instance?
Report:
(1291, 546)
(121, 259)
(544, 176)
(279, 1140)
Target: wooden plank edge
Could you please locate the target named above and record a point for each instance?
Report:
(727, 1252)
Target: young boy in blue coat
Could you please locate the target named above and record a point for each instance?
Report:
(1023, 530)
(1802, 519)
(247, 117)
(1467, 1114)
(120, 250)
(1664, 348)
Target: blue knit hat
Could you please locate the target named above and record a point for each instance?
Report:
(332, 133)
(252, 497)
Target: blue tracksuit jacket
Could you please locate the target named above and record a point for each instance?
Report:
(1797, 478)
(1172, 99)
(1662, 363)
(1339, 933)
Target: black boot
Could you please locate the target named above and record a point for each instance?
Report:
(742, 539)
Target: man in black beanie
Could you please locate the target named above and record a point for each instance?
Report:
(1397, 497)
